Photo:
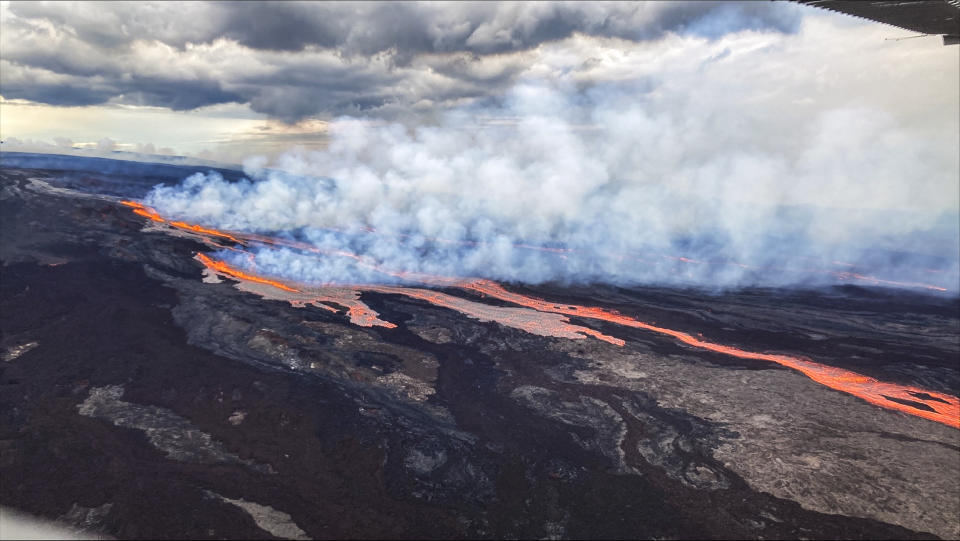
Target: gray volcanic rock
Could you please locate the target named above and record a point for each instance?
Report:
(165, 430)
(143, 396)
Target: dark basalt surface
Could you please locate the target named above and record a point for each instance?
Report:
(150, 403)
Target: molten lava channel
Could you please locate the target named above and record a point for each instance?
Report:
(938, 407)
(324, 297)
(223, 268)
(147, 212)
(941, 408)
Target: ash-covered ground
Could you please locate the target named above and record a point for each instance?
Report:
(143, 397)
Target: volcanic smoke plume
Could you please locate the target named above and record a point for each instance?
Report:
(560, 186)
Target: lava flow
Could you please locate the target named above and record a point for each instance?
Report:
(930, 405)
(531, 321)
(524, 319)
(349, 298)
(148, 212)
(937, 407)
(222, 267)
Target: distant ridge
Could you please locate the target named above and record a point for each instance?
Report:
(113, 166)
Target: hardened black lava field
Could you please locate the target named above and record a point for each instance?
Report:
(144, 395)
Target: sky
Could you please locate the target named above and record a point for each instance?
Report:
(581, 124)
(229, 79)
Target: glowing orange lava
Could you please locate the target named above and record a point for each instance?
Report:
(223, 268)
(941, 408)
(359, 314)
(147, 212)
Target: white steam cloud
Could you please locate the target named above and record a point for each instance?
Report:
(617, 182)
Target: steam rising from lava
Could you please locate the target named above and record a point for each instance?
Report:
(628, 188)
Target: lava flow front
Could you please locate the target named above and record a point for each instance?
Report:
(222, 267)
(541, 317)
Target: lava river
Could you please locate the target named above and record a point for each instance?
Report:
(553, 320)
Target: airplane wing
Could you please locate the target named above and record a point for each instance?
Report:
(937, 17)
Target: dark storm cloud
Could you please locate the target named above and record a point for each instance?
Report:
(481, 28)
(295, 59)
(58, 94)
(175, 94)
(408, 27)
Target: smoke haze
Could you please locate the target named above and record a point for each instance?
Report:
(609, 185)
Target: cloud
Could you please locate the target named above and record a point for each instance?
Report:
(366, 28)
(768, 178)
(292, 60)
(466, 133)
(106, 145)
